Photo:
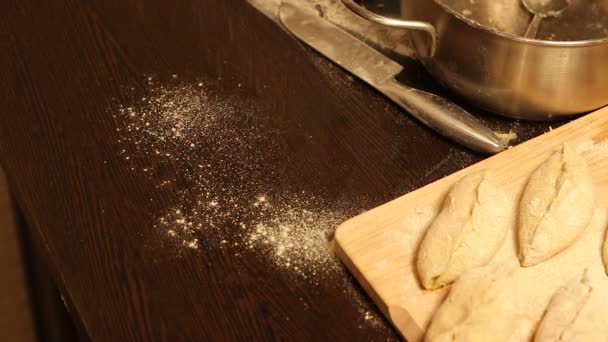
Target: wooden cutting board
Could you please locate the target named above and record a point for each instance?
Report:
(379, 246)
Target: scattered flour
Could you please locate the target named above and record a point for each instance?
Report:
(297, 239)
(206, 151)
(588, 146)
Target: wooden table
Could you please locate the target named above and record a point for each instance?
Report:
(86, 192)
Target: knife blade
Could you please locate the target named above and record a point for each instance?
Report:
(379, 71)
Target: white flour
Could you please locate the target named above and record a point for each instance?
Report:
(594, 149)
(215, 147)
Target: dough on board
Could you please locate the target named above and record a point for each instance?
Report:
(479, 307)
(576, 313)
(555, 208)
(467, 233)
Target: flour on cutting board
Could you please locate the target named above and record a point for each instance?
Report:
(592, 148)
(407, 234)
(408, 231)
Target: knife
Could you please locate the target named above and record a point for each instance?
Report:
(371, 66)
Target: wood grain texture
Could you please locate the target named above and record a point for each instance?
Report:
(16, 323)
(66, 65)
(380, 246)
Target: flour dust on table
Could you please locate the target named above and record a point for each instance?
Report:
(208, 153)
(210, 141)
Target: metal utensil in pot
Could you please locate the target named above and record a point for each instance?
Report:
(542, 9)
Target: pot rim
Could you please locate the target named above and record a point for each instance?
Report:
(548, 43)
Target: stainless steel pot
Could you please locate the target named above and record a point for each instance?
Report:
(499, 70)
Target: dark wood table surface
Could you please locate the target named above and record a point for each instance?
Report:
(101, 189)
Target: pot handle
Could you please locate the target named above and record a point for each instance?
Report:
(407, 24)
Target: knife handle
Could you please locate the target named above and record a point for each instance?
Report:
(443, 116)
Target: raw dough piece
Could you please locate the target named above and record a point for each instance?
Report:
(572, 315)
(479, 307)
(467, 232)
(555, 208)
